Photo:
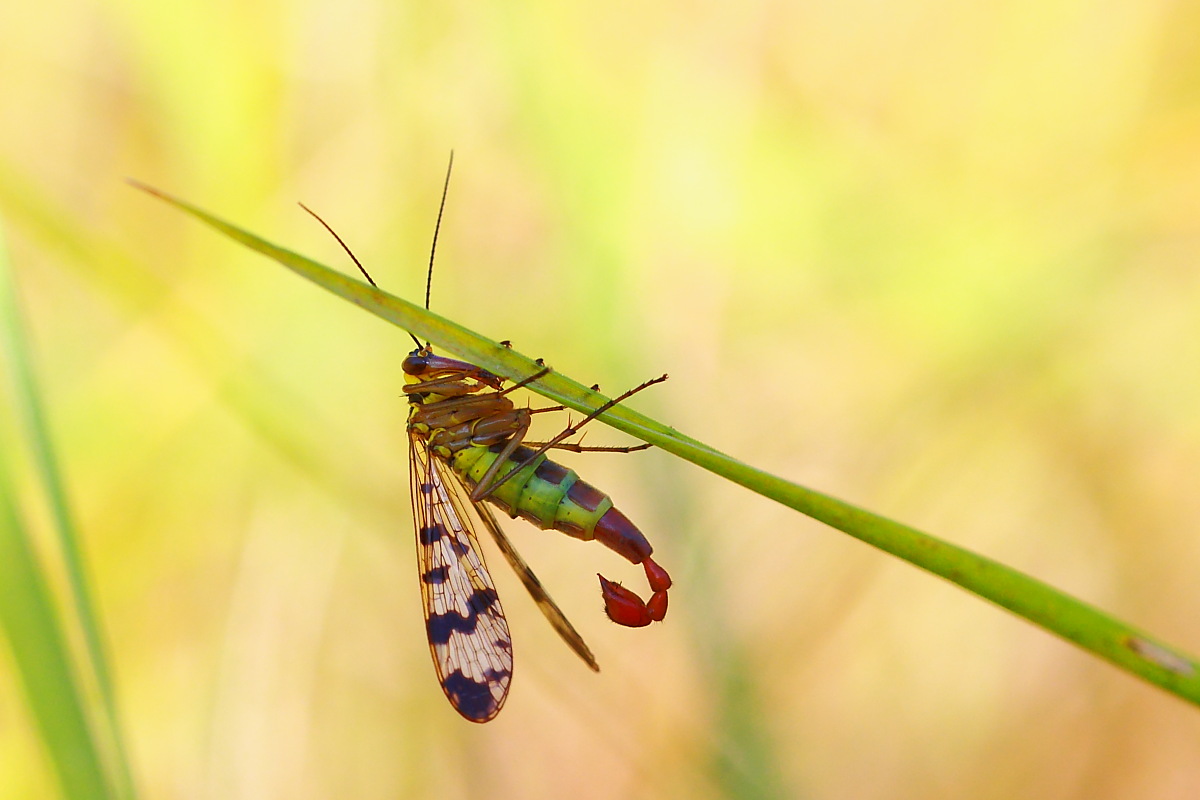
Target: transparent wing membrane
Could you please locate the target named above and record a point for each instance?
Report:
(468, 634)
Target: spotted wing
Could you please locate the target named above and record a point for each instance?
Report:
(549, 608)
(468, 635)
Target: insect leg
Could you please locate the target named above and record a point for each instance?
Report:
(578, 448)
(488, 483)
(543, 372)
(570, 430)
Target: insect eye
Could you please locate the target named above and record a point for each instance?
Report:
(415, 363)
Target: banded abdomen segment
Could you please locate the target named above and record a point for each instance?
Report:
(553, 497)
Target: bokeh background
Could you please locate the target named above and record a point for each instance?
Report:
(940, 260)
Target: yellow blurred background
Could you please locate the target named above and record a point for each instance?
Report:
(941, 260)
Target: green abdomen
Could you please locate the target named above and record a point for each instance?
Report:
(544, 492)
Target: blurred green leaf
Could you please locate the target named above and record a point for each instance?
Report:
(27, 613)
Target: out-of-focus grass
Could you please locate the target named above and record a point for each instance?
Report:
(936, 259)
(81, 737)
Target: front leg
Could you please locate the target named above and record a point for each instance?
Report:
(487, 483)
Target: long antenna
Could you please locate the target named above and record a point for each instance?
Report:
(358, 263)
(436, 228)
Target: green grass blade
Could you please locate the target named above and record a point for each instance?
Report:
(27, 613)
(40, 654)
(1059, 613)
(33, 422)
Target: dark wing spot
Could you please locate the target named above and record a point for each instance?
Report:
(482, 600)
(441, 627)
(437, 575)
(473, 699)
(431, 534)
(426, 488)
